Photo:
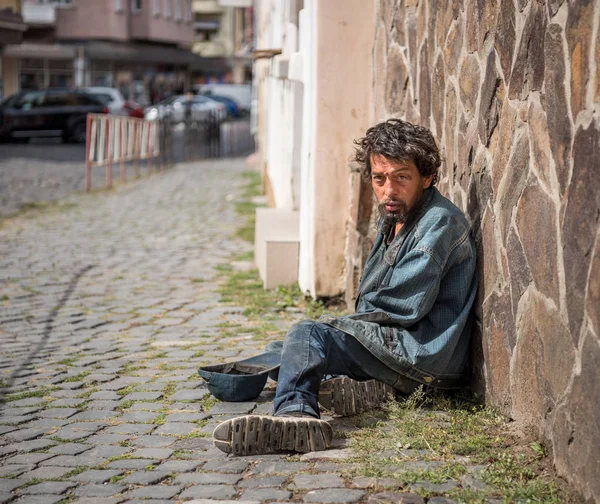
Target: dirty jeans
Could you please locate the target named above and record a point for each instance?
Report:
(312, 350)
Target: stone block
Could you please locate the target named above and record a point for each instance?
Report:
(528, 69)
(579, 34)
(209, 492)
(580, 223)
(557, 110)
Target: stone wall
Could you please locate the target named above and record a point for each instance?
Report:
(511, 90)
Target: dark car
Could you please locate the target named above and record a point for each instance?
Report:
(232, 107)
(48, 113)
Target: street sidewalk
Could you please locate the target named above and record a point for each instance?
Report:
(107, 308)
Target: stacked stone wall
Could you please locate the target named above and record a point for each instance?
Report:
(511, 90)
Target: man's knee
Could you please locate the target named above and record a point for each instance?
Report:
(307, 330)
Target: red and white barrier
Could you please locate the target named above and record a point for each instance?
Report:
(114, 139)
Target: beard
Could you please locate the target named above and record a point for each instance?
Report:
(398, 216)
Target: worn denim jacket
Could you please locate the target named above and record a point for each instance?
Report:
(413, 309)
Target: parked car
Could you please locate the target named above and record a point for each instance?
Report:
(116, 103)
(241, 93)
(48, 113)
(174, 109)
(232, 107)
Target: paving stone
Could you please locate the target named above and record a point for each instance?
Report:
(179, 466)
(146, 477)
(35, 444)
(8, 450)
(152, 453)
(232, 466)
(129, 464)
(5, 497)
(156, 491)
(11, 471)
(72, 434)
(226, 408)
(310, 481)
(195, 443)
(67, 403)
(209, 492)
(127, 428)
(25, 434)
(48, 487)
(264, 481)
(51, 472)
(107, 439)
(140, 406)
(263, 494)
(58, 412)
(92, 415)
(211, 501)
(69, 448)
(185, 417)
(444, 500)
(108, 451)
(40, 499)
(334, 495)
(105, 395)
(175, 429)
(143, 396)
(328, 454)
(272, 467)
(121, 383)
(103, 405)
(104, 500)
(153, 441)
(139, 416)
(207, 479)
(395, 497)
(8, 485)
(364, 482)
(29, 458)
(96, 475)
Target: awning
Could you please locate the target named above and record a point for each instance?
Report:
(143, 53)
(44, 51)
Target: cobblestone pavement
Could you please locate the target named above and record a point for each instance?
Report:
(107, 308)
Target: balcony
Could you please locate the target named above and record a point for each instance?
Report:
(235, 3)
(42, 12)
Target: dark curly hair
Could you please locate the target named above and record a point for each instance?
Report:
(400, 141)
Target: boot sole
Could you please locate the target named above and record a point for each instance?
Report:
(344, 396)
(258, 435)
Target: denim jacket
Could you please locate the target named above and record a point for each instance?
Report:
(413, 309)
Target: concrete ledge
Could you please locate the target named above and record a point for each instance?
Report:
(276, 246)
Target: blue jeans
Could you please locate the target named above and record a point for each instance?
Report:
(312, 350)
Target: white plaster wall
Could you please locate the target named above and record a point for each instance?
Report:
(336, 38)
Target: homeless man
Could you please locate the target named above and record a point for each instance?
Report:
(412, 322)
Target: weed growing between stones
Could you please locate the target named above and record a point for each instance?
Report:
(455, 440)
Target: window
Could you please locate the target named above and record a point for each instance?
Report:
(167, 8)
(188, 10)
(156, 7)
(136, 5)
(118, 5)
(178, 13)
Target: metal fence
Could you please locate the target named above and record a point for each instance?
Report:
(124, 142)
(210, 137)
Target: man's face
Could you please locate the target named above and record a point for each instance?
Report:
(398, 185)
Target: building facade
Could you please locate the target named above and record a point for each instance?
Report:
(11, 30)
(223, 36)
(141, 47)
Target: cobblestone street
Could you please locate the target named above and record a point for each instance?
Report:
(107, 308)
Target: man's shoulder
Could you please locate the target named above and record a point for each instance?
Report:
(442, 228)
(443, 213)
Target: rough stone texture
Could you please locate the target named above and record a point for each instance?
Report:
(519, 127)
